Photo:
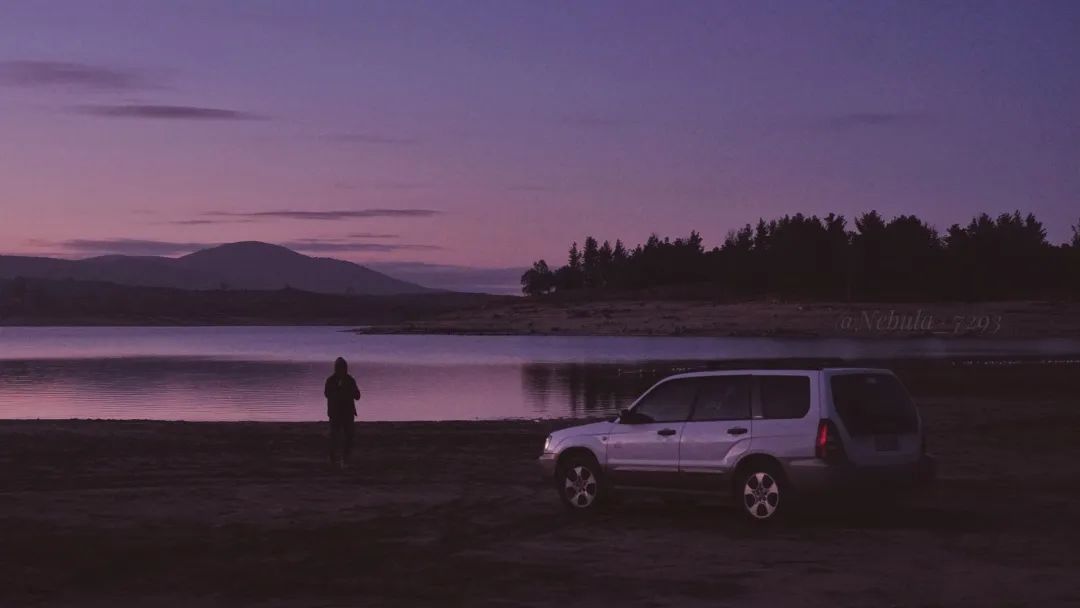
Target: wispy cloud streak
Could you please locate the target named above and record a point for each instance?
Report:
(338, 214)
(167, 112)
(375, 139)
(129, 246)
(52, 74)
(336, 246)
(868, 120)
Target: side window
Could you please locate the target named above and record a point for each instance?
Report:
(723, 398)
(784, 396)
(668, 402)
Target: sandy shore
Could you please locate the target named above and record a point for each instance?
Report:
(704, 318)
(453, 514)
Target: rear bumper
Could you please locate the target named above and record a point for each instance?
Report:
(815, 476)
(547, 463)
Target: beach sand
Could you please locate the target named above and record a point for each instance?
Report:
(551, 316)
(112, 513)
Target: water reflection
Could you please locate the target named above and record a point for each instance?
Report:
(169, 388)
(190, 388)
(193, 388)
(590, 389)
(278, 373)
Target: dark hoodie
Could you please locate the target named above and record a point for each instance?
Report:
(341, 392)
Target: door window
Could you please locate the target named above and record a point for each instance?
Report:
(723, 398)
(667, 402)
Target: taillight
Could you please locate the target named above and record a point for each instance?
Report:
(828, 446)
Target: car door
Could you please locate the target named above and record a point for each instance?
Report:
(786, 413)
(718, 431)
(643, 447)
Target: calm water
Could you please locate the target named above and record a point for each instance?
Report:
(276, 373)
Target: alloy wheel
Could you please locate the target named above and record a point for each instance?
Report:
(580, 486)
(761, 495)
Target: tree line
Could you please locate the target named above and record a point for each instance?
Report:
(801, 256)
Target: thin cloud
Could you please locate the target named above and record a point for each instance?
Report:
(383, 184)
(867, 120)
(167, 112)
(147, 247)
(339, 246)
(389, 184)
(373, 235)
(61, 74)
(129, 246)
(329, 215)
(594, 121)
(205, 222)
(84, 248)
(375, 139)
(536, 188)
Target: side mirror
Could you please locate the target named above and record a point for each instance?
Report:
(625, 416)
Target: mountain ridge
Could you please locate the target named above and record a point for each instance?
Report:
(247, 265)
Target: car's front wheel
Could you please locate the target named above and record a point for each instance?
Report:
(580, 484)
(762, 493)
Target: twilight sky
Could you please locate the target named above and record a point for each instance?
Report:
(488, 134)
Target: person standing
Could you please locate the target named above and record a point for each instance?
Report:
(341, 395)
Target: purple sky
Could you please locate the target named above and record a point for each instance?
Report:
(488, 134)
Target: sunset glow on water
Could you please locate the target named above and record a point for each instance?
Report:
(276, 373)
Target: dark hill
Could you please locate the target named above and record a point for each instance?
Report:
(65, 302)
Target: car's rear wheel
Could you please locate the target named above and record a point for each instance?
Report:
(580, 484)
(762, 493)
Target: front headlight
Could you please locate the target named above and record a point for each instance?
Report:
(547, 443)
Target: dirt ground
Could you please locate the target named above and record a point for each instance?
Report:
(527, 316)
(99, 513)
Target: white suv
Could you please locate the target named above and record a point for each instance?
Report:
(758, 436)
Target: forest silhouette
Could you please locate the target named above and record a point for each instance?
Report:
(811, 257)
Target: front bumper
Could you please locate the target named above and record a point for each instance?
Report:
(815, 476)
(547, 462)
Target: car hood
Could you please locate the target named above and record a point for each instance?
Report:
(595, 428)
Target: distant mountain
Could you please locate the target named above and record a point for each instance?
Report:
(248, 265)
(31, 301)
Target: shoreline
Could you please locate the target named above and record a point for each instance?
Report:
(636, 318)
(673, 318)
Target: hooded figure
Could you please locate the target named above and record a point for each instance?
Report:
(341, 394)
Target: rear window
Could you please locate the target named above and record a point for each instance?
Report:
(873, 404)
(784, 396)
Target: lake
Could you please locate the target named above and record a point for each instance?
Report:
(276, 373)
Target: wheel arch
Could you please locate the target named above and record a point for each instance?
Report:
(754, 460)
(573, 451)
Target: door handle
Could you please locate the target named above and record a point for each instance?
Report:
(738, 430)
(666, 432)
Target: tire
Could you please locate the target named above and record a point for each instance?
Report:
(762, 493)
(580, 484)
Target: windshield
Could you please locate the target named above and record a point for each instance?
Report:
(870, 404)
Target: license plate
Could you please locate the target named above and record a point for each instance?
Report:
(886, 443)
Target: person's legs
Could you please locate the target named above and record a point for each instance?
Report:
(348, 426)
(335, 440)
